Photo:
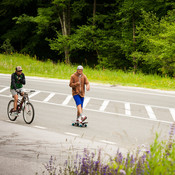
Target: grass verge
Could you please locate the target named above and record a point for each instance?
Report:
(34, 67)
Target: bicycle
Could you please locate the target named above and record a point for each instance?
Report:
(23, 105)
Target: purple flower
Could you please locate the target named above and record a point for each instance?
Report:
(122, 172)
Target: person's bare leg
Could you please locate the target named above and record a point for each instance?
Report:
(79, 110)
(22, 93)
(15, 101)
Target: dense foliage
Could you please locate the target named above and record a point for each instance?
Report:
(135, 35)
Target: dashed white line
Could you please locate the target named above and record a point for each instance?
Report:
(40, 127)
(72, 134)
(4, 89)
(35, 93)
(49, 97)
(104, 105)
(150, 112)
(172, 111)
(66, 101)
(86, 101)
(108, 142)
(127, 109)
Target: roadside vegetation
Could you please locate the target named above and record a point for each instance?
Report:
(60, 70)
(159, 158)
(132, 35)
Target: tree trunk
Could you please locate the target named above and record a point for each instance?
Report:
(65, 27)
(134, 43)
(93, 23)
(94, 12)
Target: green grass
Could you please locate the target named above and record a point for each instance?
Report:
(33, 67)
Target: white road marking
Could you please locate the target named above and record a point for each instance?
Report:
(107, 87)
(40, 127)
(93, 110)
(108, 142)
(127, 109)
(66, 101)
(35, 93)
(86, 101)
(150, 112)
(49, 97)
(72, 134)
(104, 105)
(4, 89)
(118, 101)
(172, 111)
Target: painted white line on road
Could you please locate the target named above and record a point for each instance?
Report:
(116, 101)
(86, 101)
(4, 89)
(35, 93)
(127, 109)
(150, 112)
(40, 127)
(94, 110)
(104, 105)
(49, 97)
(170, 94)
(108, 142)
(72, 134)
(172, 111)
(107, 87)
(66, 101)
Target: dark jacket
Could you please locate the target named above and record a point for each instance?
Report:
(17, 81)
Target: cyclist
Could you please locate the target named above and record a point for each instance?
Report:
(78, 81)
(17, 82)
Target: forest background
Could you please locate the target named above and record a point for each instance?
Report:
(130, 35)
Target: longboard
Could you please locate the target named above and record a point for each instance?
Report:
(83, 124)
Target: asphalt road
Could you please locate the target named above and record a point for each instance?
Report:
(121, 117)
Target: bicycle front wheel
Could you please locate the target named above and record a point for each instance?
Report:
(10, 114)
(28, 113)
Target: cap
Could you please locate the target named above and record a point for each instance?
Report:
(18, 68)
(80, 67)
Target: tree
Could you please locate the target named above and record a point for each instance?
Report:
(158, 38)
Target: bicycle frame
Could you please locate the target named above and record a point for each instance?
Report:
(24, 106)
(22, 101)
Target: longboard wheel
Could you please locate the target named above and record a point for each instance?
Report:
(81, 125)
(73, 124)
(85, 125)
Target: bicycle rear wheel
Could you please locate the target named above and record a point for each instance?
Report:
(10, 114)
(28, 113)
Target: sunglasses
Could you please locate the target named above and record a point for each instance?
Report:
(19, 71)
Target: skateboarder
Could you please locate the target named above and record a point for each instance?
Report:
(78, 81)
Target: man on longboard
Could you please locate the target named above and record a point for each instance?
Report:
(78, 81)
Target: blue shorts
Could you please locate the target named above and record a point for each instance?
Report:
(78, 100)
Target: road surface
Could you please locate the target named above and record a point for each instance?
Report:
(119, 117)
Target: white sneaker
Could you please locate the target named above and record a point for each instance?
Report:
(83, 118)
(79, 119)
(14, 114)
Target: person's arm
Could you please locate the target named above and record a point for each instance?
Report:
(23, 80)
(72, 84)
(87, 84)
(88, 87)
(13, 81)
